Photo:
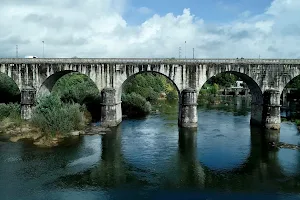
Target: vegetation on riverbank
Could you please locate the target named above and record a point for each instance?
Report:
(145, 91)
(61, 114)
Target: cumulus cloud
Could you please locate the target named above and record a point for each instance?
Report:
(93, 28)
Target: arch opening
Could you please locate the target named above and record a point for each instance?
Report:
(152, 89)
(235, 84)
(72, 86)
(290, 100)
(10, 98)
(9, 90)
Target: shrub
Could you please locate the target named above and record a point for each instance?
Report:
(78, 88)
(11, 110)
(172, 95)
(134, 105)
(52, 116)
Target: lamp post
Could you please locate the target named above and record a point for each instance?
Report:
(179, 52)
(43, 49)
(17, 51)
(185, 49)
(193, 53)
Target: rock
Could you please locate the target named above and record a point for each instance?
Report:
(76, 133)
(45, 142)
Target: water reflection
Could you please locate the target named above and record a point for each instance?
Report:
(111, 171)
(187, 171)
(261, 170)
(141, 157)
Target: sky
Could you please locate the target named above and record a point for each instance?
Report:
(150, 28)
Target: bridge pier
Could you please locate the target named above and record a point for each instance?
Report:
(256, 114)
(271, 110)
(111, 111)
(27, 102)
(188, 116)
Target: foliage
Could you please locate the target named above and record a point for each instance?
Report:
(53, 116)
(147, 85)
(297, 122)
(214, 89)
(11, 110)
(210, 90)
(172, 95)
(135, 105)
(223, 79)
(78, 88)
(8, 89)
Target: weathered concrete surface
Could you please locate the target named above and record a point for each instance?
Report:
(111, 112)
(271, 109)
(259, 74)
(188, 115)
(27, 102)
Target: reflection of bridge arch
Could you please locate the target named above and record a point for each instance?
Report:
(260, 152)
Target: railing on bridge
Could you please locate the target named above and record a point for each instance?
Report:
(146, 60)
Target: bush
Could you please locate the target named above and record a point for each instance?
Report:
(78, 88)
(172, 95)
(134, 105)
(11, 110)
(52, 116)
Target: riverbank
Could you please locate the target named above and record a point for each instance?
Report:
(18, 131)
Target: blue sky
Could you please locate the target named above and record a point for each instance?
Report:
(212, 11)
(139, 28)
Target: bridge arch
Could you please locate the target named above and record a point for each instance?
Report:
(287, 78)
(9, 89)
(89, 95)
(130, 77)
(255, 90)
(47, 85)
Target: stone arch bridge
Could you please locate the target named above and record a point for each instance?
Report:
(266, 79)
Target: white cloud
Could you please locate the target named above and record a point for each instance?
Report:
(92, 29)
(144, 10)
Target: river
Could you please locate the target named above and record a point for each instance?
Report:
(151, 158)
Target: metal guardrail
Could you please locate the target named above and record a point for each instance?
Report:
(143, 61)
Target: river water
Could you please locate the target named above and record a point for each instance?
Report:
(152, 158)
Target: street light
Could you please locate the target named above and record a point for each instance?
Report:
(179, 52)
(43, 48)
(17, 51)
(185, 49)
(193, 53)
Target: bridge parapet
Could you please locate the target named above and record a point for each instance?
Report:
(145, 61)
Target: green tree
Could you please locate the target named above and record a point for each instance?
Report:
(78, 88)
(214, 89)
(134, 105)
(223, 79)
(9, 91)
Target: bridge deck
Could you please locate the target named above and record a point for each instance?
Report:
(145, 61)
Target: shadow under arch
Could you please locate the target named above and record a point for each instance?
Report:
(256, 96)
(9, 90)
(121, 88)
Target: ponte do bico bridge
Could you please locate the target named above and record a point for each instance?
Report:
(266, 79)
